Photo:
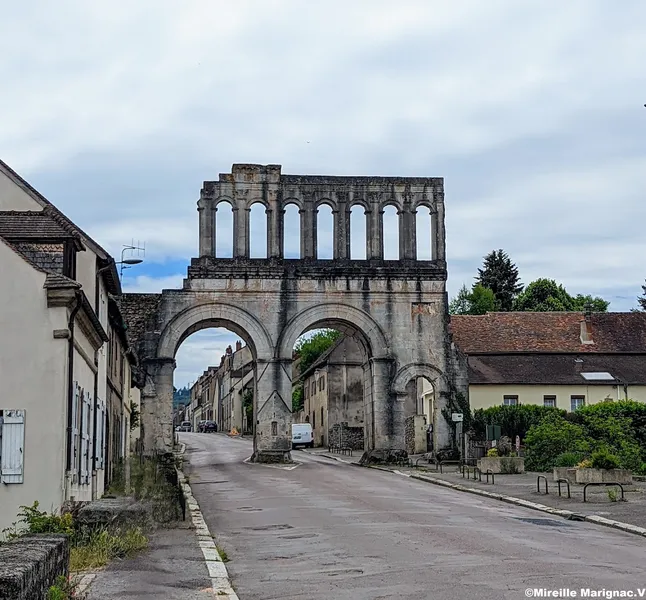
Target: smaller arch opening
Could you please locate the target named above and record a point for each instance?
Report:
(324, 232)
(258, 231)
(223, 215)
(358, 232)
(424, 233)
(391, 233)
(292, 232)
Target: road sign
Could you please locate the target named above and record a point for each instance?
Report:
(457, 417)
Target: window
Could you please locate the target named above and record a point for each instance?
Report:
(322, 383)
(321, 416)
(274, 428)
(510, 400)
(549, 401)
(576, 402)
(12, 443)
(313, 420)
(313, 388)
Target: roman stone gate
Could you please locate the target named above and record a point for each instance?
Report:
(396, 309)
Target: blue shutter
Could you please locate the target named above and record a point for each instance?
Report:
(13, 447)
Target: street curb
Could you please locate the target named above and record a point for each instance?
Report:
(328, 456)
(220, 581)
(565, 514)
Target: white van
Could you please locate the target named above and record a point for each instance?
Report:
(302, 435)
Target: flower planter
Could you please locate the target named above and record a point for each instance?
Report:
(567, 473)
(623, 476)
(502, 464)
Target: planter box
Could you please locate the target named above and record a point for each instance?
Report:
(502, 464)
(567, 473)
(623, 476)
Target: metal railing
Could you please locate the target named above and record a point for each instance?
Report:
(621, 487)
(538, 484)
(566, 482)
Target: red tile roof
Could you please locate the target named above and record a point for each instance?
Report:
(548, 332)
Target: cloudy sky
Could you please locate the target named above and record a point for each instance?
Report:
(532, 111)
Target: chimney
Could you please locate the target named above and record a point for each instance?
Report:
(238, 345)
(229, 350)
(586, 330)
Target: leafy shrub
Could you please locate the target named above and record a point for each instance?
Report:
(32, 520)
(492, 452)
(568, 459)
(585, 464)
(513, 420)
(551, 438)
(508, 466)
(602, 459)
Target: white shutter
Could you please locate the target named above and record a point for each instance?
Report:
(100, 424)
(75, 432)
(85, 437)
(13, 447)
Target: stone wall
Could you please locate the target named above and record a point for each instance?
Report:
(341, 434)
(415, 432)
(30, 565)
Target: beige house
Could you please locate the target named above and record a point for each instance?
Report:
(53, 353)
(562, 359)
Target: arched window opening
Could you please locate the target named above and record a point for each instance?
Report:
(391, 233)
(324, 233)
(292, 232)
(258, 231)
(358, 232)
(424, 233)
(224, 230)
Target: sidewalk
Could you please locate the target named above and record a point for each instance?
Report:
(173, 568)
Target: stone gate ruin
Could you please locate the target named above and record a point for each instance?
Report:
(396, 309)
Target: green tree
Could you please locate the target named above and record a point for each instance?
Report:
(298, 398)
(545, 295)
(482, 300)
(642, 299)
(476, 302)
(309, 350)
(461, 304)
(500, 275)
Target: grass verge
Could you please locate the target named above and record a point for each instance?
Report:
(102, 546)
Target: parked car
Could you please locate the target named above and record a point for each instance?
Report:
(302, 435)
(210, 426)
(186, 426)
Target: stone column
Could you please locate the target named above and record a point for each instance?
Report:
(308, 232)
(157, 405)
(407, 248)
(275, 223)
(273, 411)
(375, 233)
(368, 413)
(207, 228)
(439, 227)
(388, 409)
(442, 435)
(337, 238)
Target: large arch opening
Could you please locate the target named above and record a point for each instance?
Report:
(391, 233)
(324, 232)
(424, 233)
(358, 232)
(258, 231)
(292, 231)
(214, 383)
(331, 347)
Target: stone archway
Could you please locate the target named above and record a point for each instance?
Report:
(397, 309)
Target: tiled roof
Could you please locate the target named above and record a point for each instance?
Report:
(56, 280)
(554, 369)
(30, 225)
(548, 332)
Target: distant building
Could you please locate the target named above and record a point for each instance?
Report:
(562, 359)
(333, 393)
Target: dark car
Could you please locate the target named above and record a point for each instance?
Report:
(209, 426)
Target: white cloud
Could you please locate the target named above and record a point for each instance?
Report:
(531, 111)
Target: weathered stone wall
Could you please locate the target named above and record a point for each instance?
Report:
(341, 434)
(30, 565)
(396, 309)
(410, 434)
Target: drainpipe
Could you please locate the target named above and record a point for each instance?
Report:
(70, 379)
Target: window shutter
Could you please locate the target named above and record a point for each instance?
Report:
(75, 431)
(85, 437)
(100, 428)
(13, 445)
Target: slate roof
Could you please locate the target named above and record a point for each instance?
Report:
(554, 369)
(548, 332)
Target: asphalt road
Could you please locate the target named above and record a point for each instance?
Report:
(326, 530)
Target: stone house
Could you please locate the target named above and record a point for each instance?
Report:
(562, 359)
(54, 328)
(333, 394)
